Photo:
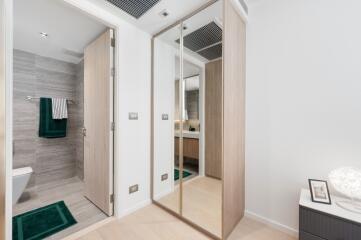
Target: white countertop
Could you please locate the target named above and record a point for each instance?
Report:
(188, 134)
(333, 209)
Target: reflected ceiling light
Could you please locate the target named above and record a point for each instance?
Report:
(165, 13)
(43, 34)
(347, 181)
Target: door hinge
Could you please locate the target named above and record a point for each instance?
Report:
(112, 126)
(112, 42)
(111, 198)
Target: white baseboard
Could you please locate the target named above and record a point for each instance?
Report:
(134, 208)
(165, 193)
(276, 225)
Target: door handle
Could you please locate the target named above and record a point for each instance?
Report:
(83, 130)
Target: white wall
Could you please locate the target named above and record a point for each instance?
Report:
(132, 159)
(303, 99)
(164, 102)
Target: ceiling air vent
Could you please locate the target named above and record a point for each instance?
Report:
(206, 41)
(203, 37)
(136, 8)
(212, 53)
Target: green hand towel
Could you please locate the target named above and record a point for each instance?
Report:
(49, 127)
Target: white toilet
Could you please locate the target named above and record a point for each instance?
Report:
(21, 177)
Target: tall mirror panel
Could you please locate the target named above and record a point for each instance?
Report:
(166, 116)
(202, 123)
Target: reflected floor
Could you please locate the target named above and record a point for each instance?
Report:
(71, 192)
(202, 203)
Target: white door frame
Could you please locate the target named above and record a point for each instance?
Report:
(6, 12)
(7, 48)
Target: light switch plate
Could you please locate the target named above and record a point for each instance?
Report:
(164, 177)
(165, 116)
(133, 116)
(133, 189)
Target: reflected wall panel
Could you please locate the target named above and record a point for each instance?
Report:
(213, 119)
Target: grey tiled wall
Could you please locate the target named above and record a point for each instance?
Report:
(192, 102)
(79, 98)
(51, 159)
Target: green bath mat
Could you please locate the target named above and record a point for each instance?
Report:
(42, 222)
(185, 174)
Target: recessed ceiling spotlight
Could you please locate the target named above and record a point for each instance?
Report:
(165, 13)
(43, 34)
(185, 27)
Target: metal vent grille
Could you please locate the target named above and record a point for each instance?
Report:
(212, 53)
(136, 8)
(203, 37)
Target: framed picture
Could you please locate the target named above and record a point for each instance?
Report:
(319, 191)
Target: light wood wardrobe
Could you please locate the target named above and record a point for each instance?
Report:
(212, 197)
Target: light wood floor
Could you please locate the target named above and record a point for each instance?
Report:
(152, 223)
(71, 192)
(202, 203)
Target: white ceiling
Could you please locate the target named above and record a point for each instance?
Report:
(72, 30)
(68, 29)
(151, 21)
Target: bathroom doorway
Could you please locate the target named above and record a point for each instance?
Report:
(63, 119)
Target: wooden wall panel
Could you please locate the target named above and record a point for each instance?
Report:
(233, 118)
(213, 119)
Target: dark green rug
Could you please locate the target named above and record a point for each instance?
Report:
(42, 222)
(185, 174)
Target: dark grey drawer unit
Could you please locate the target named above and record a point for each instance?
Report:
(315, 225)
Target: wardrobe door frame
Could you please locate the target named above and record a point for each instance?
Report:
(234, 155)
(233, 117)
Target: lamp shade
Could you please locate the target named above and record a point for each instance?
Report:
(347, 181)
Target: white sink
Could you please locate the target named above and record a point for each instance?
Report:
(188, 134)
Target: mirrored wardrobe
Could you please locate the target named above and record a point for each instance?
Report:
(198, 88)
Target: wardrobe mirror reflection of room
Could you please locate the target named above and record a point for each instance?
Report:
(188, 119)
(198, 118)
(62, 89)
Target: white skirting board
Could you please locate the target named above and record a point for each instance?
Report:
(272, 223)
(136, 207)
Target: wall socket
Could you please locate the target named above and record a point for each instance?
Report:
(164, 177)
(133, 189)
(165, 116)
(133, 116)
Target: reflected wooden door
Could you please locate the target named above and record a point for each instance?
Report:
(213, 120)
(98, 118)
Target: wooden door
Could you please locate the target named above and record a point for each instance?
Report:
(213, 120)
(98, 118)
